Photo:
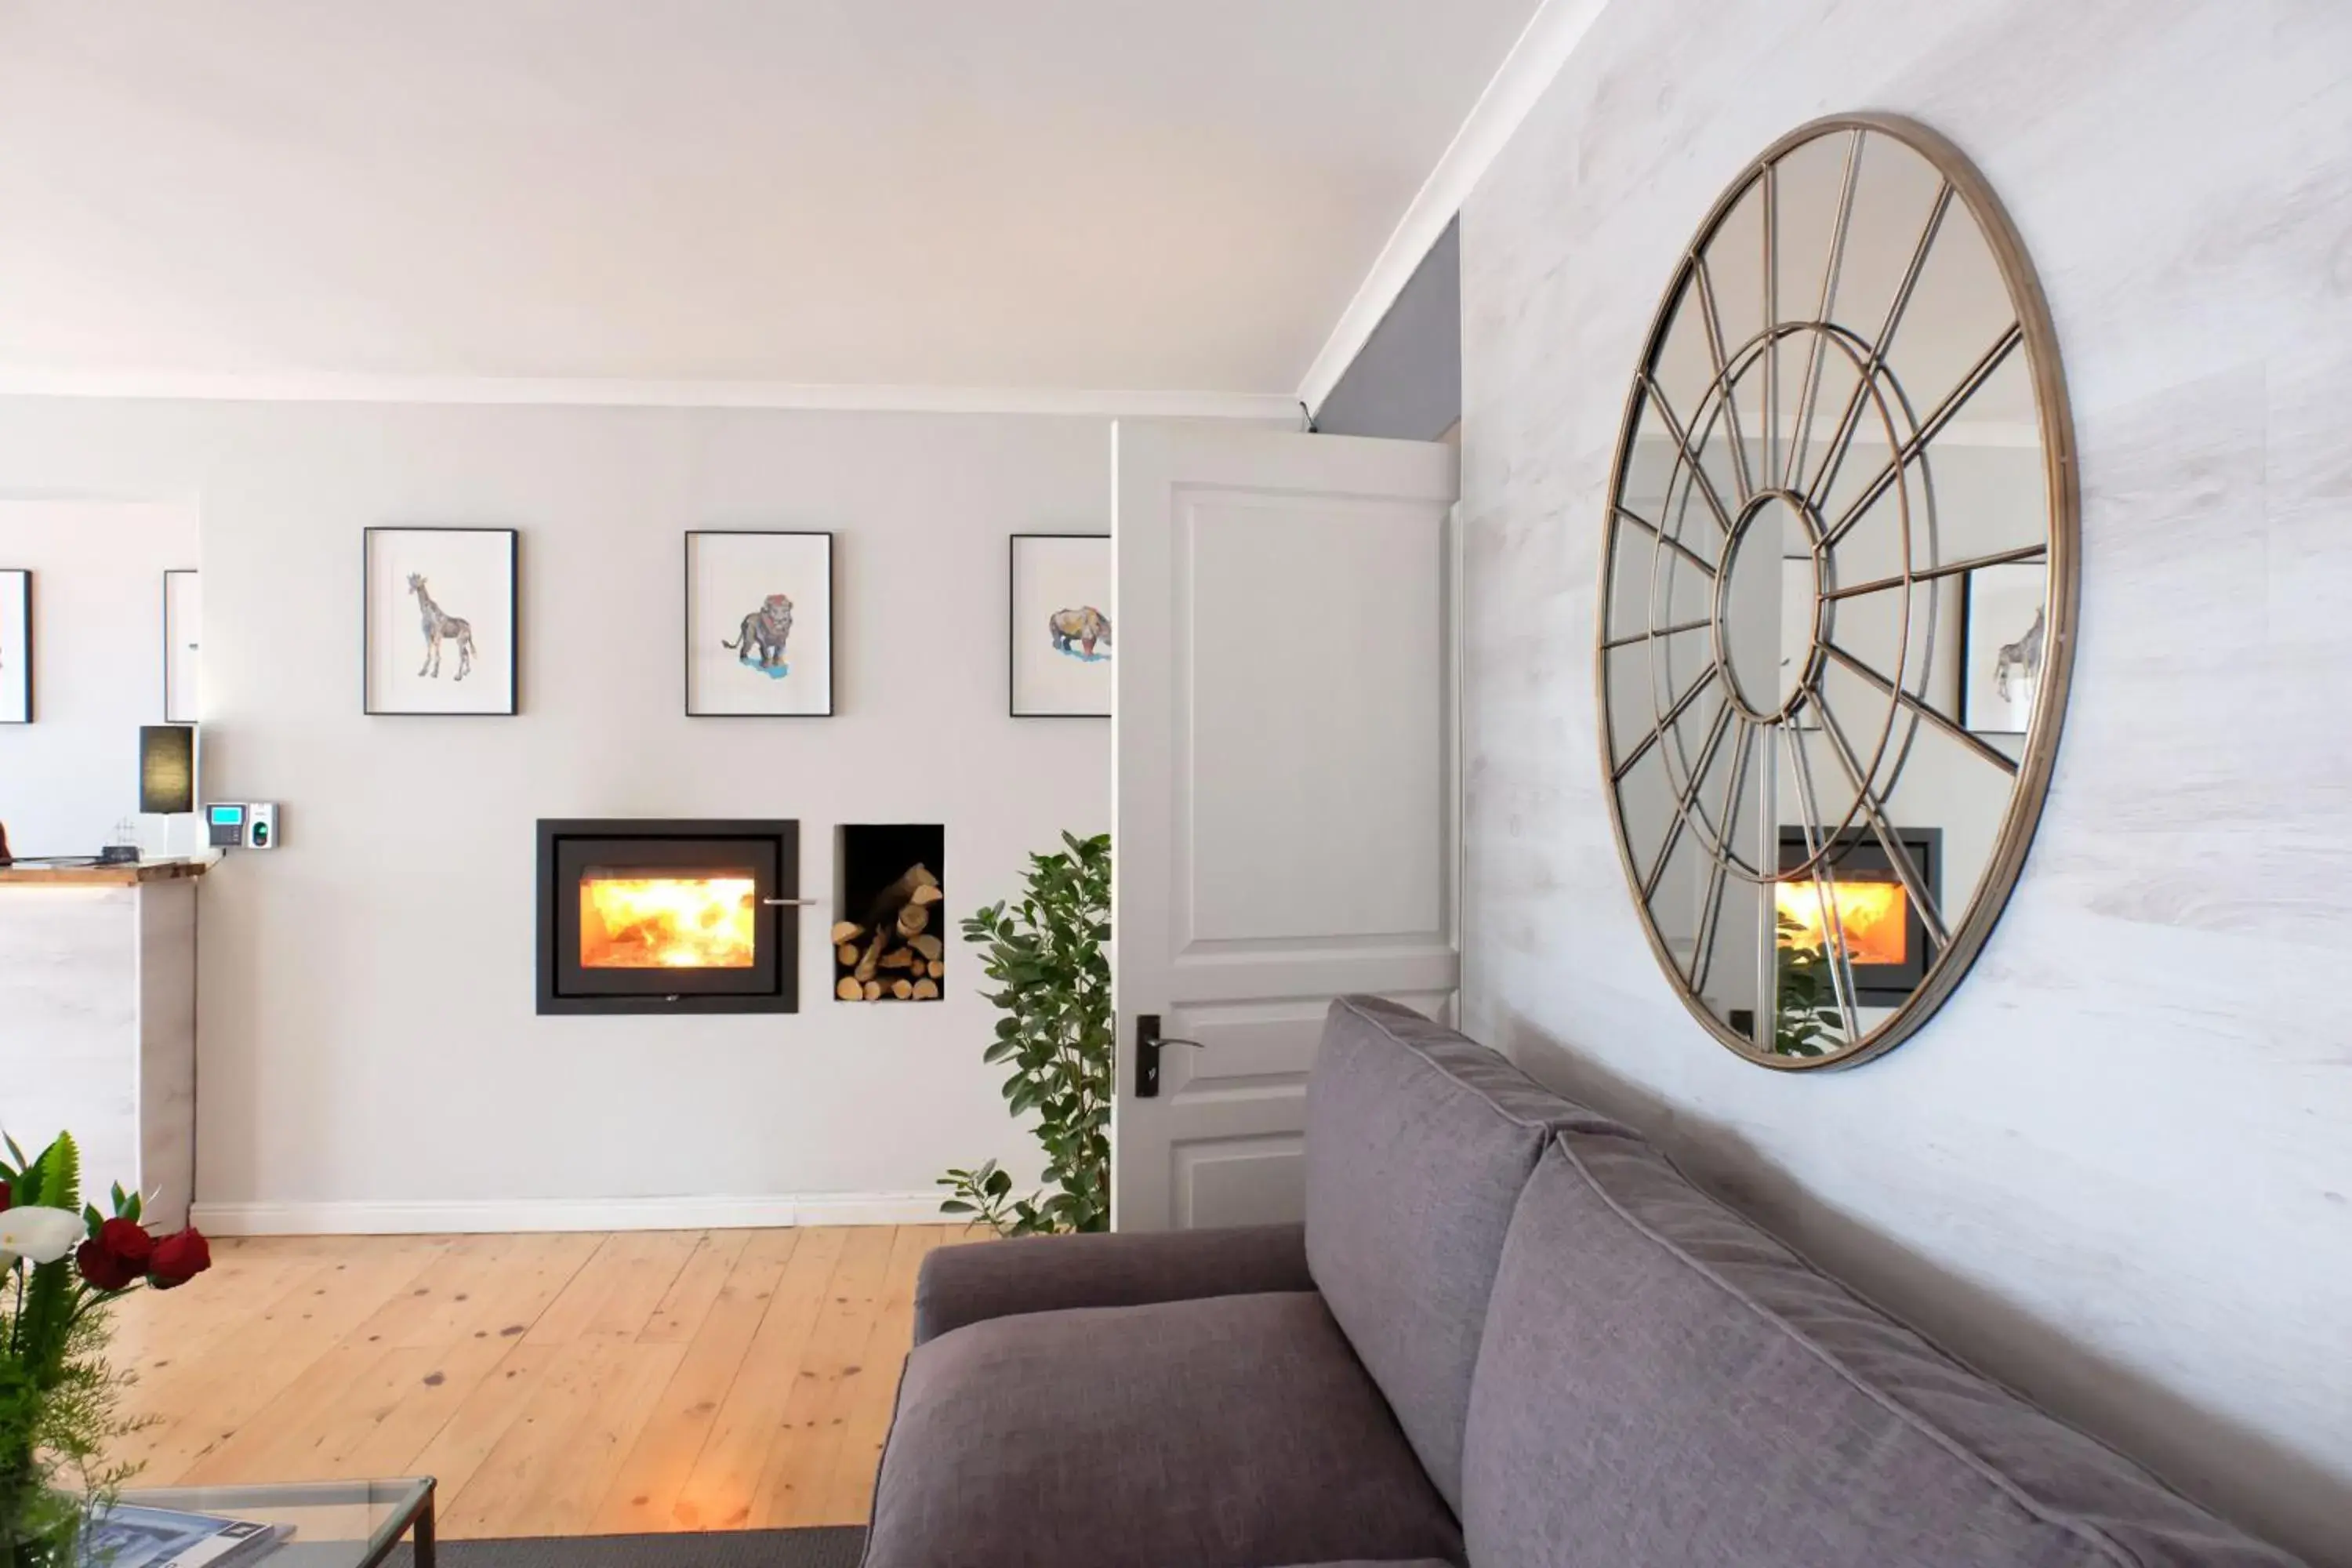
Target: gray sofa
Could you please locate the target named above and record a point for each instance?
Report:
(1510, 1334)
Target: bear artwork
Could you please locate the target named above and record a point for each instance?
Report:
(1084, 627)
(761, 640)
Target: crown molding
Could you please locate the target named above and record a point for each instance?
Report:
(1550, 36)
(593, 393)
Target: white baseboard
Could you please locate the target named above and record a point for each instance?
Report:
(470, 1215)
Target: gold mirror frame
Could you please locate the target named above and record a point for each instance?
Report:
(1909, 434)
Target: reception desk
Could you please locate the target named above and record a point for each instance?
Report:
(98, 1022)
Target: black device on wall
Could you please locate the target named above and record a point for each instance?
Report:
(167, 768)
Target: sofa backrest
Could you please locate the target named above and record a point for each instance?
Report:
(1418, 1141)
(1661, 1383)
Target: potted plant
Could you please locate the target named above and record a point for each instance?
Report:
(1047, 956)
(62, 1264)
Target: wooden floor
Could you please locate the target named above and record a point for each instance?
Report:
(555, 1385)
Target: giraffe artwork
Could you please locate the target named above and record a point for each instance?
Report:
(441, 626)
(440, 635)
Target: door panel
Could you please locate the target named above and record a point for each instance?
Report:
(1283, 823)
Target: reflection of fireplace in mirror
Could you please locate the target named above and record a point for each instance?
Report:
(1881, 928)
(639, 916)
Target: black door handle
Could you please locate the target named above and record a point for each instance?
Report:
(1148, 1041)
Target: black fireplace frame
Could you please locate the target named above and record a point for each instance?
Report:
(567, 845)
(1857, 856)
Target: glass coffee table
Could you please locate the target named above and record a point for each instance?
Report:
(336, 1524)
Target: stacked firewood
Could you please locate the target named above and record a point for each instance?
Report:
(893, 953)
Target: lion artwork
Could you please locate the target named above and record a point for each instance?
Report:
(1085, 626)
(761, 642)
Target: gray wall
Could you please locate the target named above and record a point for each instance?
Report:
(2117, 1168)
(1406, 381)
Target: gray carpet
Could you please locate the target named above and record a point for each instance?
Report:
(837, 1547)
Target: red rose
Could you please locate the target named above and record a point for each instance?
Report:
(179, 1258)
(4, 1198)
(127, 1241)
(104, 1269)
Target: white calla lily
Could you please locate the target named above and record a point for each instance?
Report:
(43, 1234)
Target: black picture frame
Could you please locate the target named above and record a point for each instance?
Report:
(170, 715)
(1962, 706)
(514, 622)
(1012, 631)
(22, 678)
(832, 618)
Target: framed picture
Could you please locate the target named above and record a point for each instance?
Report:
(439, 621)
(1060, 625)
(15, 647)
(2004, 611)
(758, 625)
(183, 629)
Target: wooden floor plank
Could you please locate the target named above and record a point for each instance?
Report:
(847, 1492)
(794, 1486)
(644, 1493)
(719, 1492)
(555, 1384)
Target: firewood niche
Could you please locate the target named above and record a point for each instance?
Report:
(890, 942)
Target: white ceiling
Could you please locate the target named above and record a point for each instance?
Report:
(1162, 195)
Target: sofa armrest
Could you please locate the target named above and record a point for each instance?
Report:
(961, 1285)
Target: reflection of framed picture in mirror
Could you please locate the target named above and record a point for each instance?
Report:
(183, 622)
(439, 624)
(2003, 634)
(15, 647)
(758, 625)
(1061, 626)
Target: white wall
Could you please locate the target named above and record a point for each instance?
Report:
(98, 568)
(2117, 1168)
(368, 1051)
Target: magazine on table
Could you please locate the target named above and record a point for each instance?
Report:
(128, 1537)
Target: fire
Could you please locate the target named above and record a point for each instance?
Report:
(665, 922)
(1874, 918)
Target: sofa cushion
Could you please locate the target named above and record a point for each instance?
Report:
(961, 1285)
(1664, 1384)
(1229, 1432)
(1418, 1141)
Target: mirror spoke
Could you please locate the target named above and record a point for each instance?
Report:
(1889, 839)
(1723, 717)
(1819, 493)
(1910, 450)
(1702, 955)
(1714, 348)
(1681, 439)
(1669, 540)
(1630, 638)
(1949, 569)
(1951, 727)
(1771, 444)
(1809, 816)
(1705, 678)
(1800, 437)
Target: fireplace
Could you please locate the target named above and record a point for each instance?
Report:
(648, 916)
(1883, 930)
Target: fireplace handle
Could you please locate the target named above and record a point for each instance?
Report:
(790, 903)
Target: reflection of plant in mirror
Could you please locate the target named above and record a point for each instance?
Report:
(1805, 1019)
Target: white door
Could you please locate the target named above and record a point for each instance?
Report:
(1284, 829)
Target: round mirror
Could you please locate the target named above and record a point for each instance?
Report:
(1837, 598)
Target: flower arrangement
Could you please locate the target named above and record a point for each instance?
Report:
(62, 1263)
